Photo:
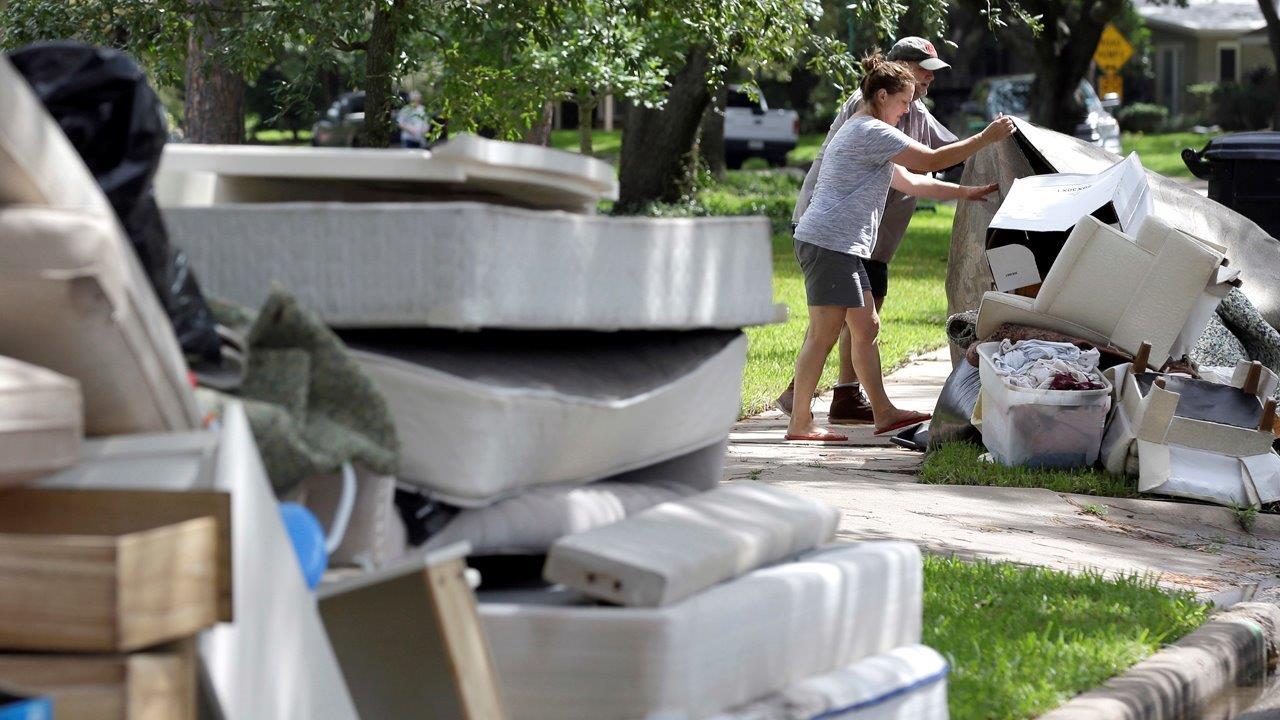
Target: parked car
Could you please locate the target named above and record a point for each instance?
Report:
(1010, 95)
(341, 124)
(751, 129)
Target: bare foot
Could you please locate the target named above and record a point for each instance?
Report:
(807, 431)
(897, 418)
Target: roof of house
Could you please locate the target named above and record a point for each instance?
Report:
(1205, 17)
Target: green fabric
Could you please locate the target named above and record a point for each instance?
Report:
(310, 406)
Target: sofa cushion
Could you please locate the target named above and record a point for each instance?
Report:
(680, 548)
(73, 298)
(41, 421)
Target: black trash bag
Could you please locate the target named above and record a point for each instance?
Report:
(113, 118)
(955, 406)
(914, 438)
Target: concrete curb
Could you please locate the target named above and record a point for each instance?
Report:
(1199, 676)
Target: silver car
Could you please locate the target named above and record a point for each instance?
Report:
(1010, 94)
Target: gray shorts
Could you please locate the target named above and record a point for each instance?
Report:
(830, 277)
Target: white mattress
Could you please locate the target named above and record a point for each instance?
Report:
(528, 523)
(680, 548)
(481, 416)
(464, 166)
(470, 265)
(909, 683)
(561, 658)
(41, 421)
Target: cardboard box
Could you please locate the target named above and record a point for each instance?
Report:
(1041, 210)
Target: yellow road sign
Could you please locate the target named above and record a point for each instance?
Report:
(1111, 83)
(1113, 50)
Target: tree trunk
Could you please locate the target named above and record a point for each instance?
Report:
(586, 104)
(540, 132)
(213, 111)
(657, 145)
(1273, 37)
(1063, 53)
(379, 64)
(711, 137)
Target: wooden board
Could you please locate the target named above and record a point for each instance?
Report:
(157, 684)
(410, 643)
(117, 588)
(28, 510)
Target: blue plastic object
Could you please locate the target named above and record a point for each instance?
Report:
(308, 541)
(18, 707)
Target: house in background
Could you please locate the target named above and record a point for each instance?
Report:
(1206, 41)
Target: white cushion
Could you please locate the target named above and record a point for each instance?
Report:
(678, 549)
(559, 658)
(74, 299)
(528, 523)
(41, 421)
(470, 265)
(482, 416)
(908, 683)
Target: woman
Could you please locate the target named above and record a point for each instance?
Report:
(838, 231)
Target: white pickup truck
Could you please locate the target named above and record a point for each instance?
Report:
(751, 129)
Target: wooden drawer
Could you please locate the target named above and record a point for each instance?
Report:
(102, 577)
(158, 684)
(30, 510)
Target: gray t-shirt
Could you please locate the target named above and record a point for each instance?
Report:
(919, 125)
(848, 199)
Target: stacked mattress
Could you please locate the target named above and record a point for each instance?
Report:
(728, 601)
(548, 370)
(561, 656)
(563, 386)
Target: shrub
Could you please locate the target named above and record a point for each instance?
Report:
(1142, 117)
(1202, 104)
(1247, 105)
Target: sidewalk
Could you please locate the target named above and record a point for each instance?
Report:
(1197, 547)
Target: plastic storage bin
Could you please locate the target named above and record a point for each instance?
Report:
(1040, 428)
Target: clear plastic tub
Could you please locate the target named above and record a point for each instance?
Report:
(1040, 428)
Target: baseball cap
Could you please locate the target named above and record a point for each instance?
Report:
(916, 49)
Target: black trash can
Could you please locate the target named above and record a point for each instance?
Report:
(1243, 170)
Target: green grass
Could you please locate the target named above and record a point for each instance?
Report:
(606, 145)
(282, 137)
(806, 149)
(958, 464)
(1162, 152)
(1022, 641)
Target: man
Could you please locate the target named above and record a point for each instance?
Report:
(849, 405)
(413, 123)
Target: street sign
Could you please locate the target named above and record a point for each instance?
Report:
(1113, 50)
(1111, 83)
